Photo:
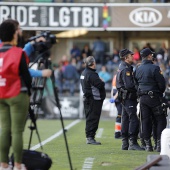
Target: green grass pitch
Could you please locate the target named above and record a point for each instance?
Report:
(107, 156)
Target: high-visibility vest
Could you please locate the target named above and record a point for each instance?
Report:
(10, 82)
(117, 126)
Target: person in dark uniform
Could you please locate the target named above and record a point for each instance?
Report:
(93, 94)
(151, 86)
(127, 95)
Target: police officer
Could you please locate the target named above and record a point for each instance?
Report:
(151, 86)
(93, 94)
(127, 95)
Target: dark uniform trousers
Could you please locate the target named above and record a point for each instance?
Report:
(148, 116)
(92, 110)
(130, 122)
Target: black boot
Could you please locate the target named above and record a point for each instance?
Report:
(133, 145)
(92, 141)
(158, 148)
(148, 145)
(118, 135)
(125, 143)
(143, 144)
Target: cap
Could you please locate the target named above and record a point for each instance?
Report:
(89, 61)
(145, 52)
(124, 52)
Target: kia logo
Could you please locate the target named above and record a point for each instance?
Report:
(145, 17)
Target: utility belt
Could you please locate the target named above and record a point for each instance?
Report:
(160, 109)
(150, 93)
(124, 94)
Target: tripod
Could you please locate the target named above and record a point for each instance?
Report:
(33, 126)
(36, 98)
(35, 101)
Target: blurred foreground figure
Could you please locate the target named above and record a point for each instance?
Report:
(15, 84)
(93, 95)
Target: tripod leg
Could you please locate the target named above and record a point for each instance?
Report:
(33, 126)
(29, 145)
(61, 118)
(39, 138)
(46, 64)
(66, 143)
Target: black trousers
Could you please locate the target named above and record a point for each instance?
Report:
(151, 122)
(130, 122)
(92, 110)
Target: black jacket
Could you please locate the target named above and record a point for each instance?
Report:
(92, 85)
(124, 78)
(148, 77)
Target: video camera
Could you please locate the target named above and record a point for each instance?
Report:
(42, 46)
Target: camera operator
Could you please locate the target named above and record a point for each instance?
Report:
(29, 48)
(15, 84)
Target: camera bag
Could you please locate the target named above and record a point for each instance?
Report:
(34, 160)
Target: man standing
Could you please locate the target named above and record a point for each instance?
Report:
(151, 86)
(71, 75)
(93, 95)
(99, 48)
(127, 95)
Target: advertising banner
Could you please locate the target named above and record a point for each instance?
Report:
(53, 16)
(139, 17)
(94, 17)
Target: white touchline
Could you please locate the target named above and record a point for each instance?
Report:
(99, 133)
(55, 135)
(88, 163)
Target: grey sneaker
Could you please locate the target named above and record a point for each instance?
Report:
(92, 141)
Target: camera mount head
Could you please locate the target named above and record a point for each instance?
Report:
(42, 46)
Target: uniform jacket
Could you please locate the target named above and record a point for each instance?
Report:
(148, 77)
(92, 85)
(124, 78)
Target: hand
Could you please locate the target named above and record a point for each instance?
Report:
(112, 100)
(42, 39)
(46, 73)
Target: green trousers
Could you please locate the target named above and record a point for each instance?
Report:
(13, 112)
